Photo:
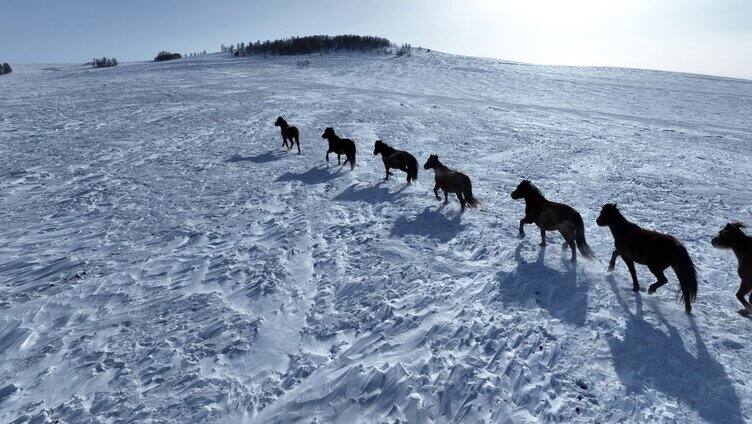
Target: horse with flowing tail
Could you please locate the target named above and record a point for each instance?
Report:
(289, 133)
(397, 159)
(450, 181)
(732, 237)
(552, 216)
(340, 146)
(647, 247)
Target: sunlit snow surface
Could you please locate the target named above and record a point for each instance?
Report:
(164, 259)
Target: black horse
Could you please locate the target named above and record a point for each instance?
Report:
(398, 159)
(340, 146)
(289, 133)
(732, 237)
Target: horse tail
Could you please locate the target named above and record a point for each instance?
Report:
(582, 245)
(687, 275)
(412, 168)
(471, 200)
(351, 155)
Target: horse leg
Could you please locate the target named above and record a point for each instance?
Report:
(569, 237)
(446, 196)
(543, 237)
(633, 273)
(436, 191)
(523, 221)
(658, 272)
(462, 202)
(745, 287)
(297, 141)
(327, 155)
(612, 263)
(339, 161)
(387, 171)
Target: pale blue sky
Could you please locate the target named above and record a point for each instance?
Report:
(702, 36)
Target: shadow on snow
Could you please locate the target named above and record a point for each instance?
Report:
(554, 290)
(375, 194)
(262, 158)
(315, 175)
(429, 223)
(649, 358)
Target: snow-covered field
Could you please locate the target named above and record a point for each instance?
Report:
(164, 259)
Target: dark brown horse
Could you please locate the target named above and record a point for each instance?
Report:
(732, 237)
(552, 216)
(658, 251)
(398, 159)
(450, 181)
(289, 133)
(340, 146)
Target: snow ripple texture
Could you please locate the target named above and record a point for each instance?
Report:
(164, 259)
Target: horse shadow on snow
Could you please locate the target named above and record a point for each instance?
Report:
(373, 194)
(555, 290)
(315, 175)
(429, 223)
(649, 358)
(259, 159)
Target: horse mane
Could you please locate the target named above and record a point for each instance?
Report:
(746, 240)
(386, 148)
(534, 190)
(621, 218)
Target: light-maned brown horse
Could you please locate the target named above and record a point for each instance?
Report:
(289, 133)
(450, 181)
(647, 247)
(732, 237)
(552, 216)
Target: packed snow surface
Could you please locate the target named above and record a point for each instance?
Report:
(164, 259)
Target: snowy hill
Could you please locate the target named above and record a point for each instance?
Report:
(163, 258)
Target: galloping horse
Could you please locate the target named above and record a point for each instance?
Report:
(289, 133)
(450, 181)
(552, 216)
(732, 237)
(340, 146)
(398, 159)
(658, 251)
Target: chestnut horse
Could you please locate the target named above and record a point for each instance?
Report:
(732, 237)
(552, 216)
(450, 181)
(647, 247)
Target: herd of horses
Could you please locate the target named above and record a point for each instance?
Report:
(634, 244)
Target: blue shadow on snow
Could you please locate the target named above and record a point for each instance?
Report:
(378, 193)
(262, 158)
(554, 290)
(429, 223)
(649, 358)
(315, 175)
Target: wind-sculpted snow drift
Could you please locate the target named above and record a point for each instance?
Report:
(163, 258)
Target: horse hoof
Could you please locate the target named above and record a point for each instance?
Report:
(635, 289)
(610, 269)
(521, 236)
(542, 244)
